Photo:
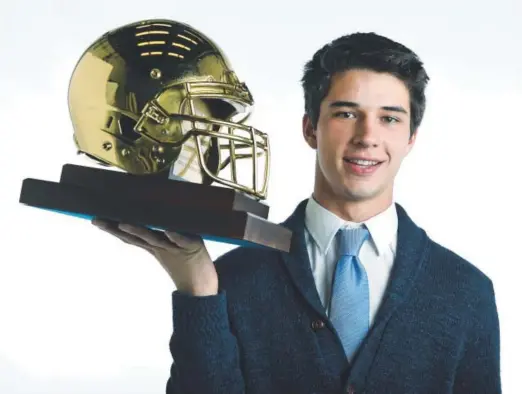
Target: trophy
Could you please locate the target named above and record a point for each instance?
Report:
(158, 108)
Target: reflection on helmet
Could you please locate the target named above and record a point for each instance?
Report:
(157, 96)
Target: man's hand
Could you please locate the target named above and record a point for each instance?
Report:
(185, 258)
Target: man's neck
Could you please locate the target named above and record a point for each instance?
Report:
(353, 211)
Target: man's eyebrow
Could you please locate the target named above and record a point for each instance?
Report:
(352, 104)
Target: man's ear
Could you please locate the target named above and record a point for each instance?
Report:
(309, 132)
(411, 141)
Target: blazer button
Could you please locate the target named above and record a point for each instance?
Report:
(317, 325)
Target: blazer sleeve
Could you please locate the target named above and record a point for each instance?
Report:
(479, 367)
(204, 350)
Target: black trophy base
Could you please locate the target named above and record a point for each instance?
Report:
(215, 213)
(156, 189)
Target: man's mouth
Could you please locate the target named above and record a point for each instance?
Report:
(363, 163)
(362, 166)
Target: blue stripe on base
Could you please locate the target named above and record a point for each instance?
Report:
(211, 238)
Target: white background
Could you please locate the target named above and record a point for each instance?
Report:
(80, 312)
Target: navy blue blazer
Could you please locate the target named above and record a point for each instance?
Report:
(266, 332)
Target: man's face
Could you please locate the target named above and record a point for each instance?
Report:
(362, 135)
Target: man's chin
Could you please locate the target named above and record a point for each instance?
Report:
(361, 194)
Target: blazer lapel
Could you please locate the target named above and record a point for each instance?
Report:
(297, 260)
(412, 252)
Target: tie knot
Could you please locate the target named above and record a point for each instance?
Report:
(351, 240)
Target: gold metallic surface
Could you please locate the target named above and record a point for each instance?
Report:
(158, 96)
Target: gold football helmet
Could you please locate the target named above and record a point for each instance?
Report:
(159, 97)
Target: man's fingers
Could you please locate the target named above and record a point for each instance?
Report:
(190, 243)
(152, 237)
(102, 223)
(112, 229)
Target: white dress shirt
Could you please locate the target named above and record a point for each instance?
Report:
(377, 253)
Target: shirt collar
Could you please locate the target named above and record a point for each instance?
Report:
(323, 226)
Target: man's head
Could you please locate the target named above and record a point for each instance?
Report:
(364, 98)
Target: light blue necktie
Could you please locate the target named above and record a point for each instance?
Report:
(350, 301)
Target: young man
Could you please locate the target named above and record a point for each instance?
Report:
(365, 302)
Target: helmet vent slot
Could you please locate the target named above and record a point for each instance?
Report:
(109, 123)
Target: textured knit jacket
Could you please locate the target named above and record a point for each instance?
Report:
(266, 332)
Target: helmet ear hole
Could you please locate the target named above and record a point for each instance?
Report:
(126, 128)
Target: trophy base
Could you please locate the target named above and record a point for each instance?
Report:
(204, 211)
(153, 188)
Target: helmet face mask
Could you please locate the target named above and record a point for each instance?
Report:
(158, 96)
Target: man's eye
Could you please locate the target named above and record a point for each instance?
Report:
(391, 119)
(344, 114)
